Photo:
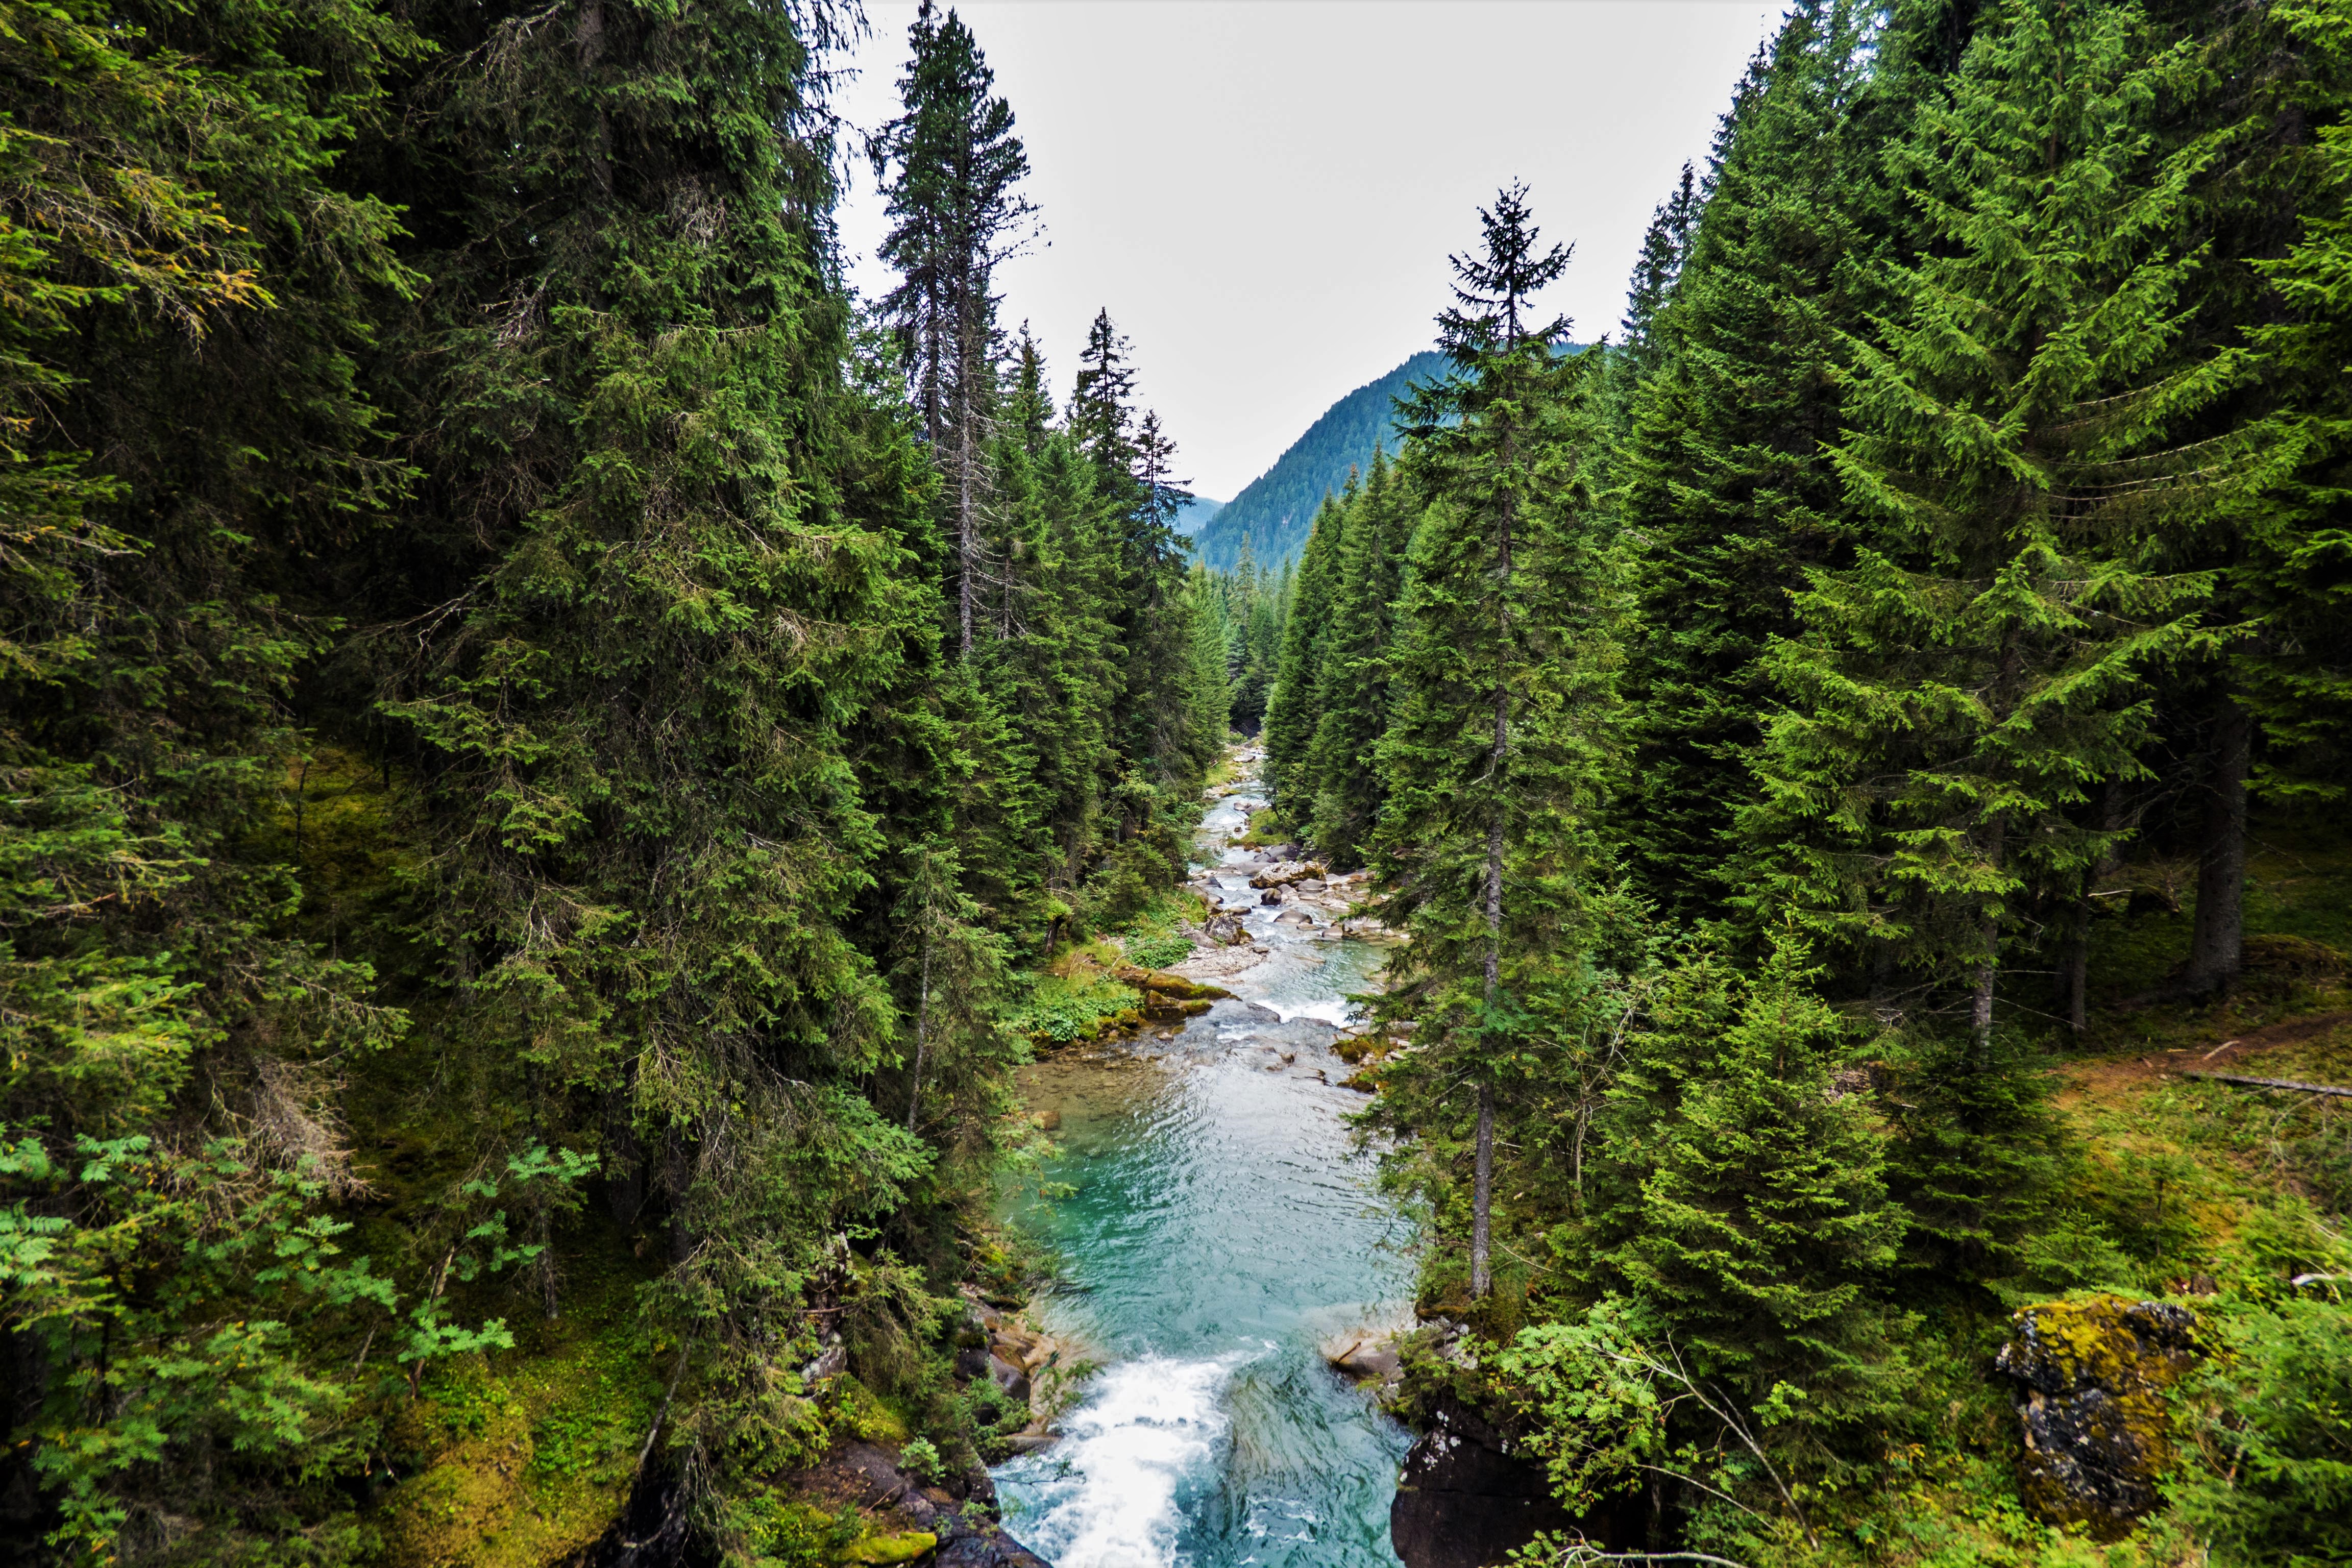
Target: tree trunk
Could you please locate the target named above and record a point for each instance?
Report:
(2217, 946)
(548, 1300)
(922, 1030)
(1989, 967)
(675, 1179)
(1482, 1193)
(967, 526)
(2078, 975)
(2087, 909)
(625, 1179)
(1482, 1202)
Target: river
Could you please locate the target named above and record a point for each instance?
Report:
(1220, 1229)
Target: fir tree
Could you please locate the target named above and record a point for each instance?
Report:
(1496, 745)
(1988, 661)
(950, 164)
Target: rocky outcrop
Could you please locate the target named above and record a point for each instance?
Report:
(2092, 1375)
(1283, 874)
(1468, 1498)
(1162, 983)
(906, 1520)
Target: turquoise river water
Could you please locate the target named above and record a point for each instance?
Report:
(1221, 1229)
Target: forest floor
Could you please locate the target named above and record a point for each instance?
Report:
(2210, 1193)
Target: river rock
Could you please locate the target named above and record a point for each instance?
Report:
(829, 1363)
(1365, 1358)
(2092, 1375)
(905, 1519)
(1466, 1499)
(1009, 1378)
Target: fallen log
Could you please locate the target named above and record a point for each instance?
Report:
(2273, 1083)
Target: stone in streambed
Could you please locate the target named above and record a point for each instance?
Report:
(1156, 983)
(1010, 1379)
(1365, 1358)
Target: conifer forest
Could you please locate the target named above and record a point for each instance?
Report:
(566, 770)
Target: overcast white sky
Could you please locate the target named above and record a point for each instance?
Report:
(1264, 192)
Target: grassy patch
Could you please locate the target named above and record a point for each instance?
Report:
(1061, 1008)
(1267, 827)
(1155, 938)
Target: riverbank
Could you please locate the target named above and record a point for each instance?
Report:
(1217, 1230)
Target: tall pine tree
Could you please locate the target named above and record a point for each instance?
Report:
(1496, 748)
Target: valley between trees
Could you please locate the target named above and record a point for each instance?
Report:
(558, 761)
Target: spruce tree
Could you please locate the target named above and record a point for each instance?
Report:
(1725, 492)
(186, 453)
(1956, 694)
(2298, 676)
(950, 164)
(1501, 674)
(1341, 761)
(1291, 710)
(677, 557)
(1752, 1211)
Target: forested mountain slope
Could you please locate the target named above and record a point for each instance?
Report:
(1274, 510)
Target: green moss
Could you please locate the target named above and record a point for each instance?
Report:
(854, 1410)
(904, 1546)
(525, 1456)
(789, 1533)
(1267, 827)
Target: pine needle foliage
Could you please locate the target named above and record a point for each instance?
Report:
(1952, 695)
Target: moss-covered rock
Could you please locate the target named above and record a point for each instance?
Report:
(1158, 984)
(898, 1546)
(2092, 1375)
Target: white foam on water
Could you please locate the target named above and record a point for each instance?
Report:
(1110, 1494)
(1334, 1011)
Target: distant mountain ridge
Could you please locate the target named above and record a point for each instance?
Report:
(1276, 509)
(1197, 514)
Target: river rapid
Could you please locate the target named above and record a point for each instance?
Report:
(1221, 1228)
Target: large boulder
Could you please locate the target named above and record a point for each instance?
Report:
(1468, 1498)
(1160, 985)
(1226, 929)
(2092, 1376)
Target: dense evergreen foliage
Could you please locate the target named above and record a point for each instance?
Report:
(551, 751)
(1747, 725)
(538, 741)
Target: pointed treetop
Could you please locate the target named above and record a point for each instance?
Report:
(1496, 287)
